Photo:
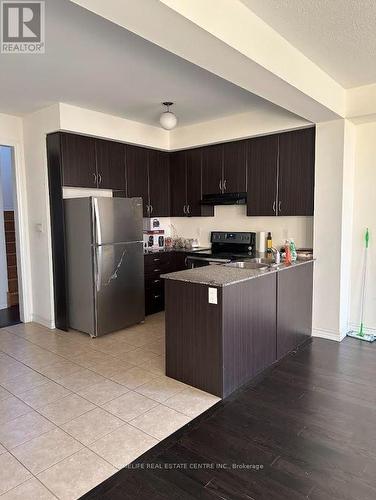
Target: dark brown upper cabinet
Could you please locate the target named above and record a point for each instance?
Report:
(178, 184)
(148, 177)
(234, 167)
(186, 185)
(262, 166)
(281, 174)
(212, 169)
(78, 160)
(137, 175)
(110, 163)
(159, 183)
(296, 172)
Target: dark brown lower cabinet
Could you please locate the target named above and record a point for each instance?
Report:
(158, 263)
(219, 347)
(294, 313)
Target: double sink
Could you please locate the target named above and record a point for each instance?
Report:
(261, 264)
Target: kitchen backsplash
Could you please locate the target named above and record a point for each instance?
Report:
(234, 218)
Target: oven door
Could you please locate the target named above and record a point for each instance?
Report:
(193, 261)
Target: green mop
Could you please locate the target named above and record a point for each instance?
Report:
(361, 335)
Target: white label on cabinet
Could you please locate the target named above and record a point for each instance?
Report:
(212, 295)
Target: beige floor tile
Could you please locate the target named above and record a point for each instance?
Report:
(76, 475)
(110, 368)
(157, 347)
(9, 371)
(90, 358)
(136, 337)
(138, 356)
(23, 329)
(160, 421)
(23, 428)
(161, 388)
(156, 365)
(92, 425)
(191, 402)
(42, 359)
(4, 394)
(2, 449)
(29, 490)
(129, 406)
(134, 377)
(66, 409)
(47, 450)
(123, 445)
(44, 395)
(12, 473)
(103, 392)
(11, 408)
(115, 348)
(80, 380)
(59, 370)
(23, 383)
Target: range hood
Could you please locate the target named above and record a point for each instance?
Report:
(224, 199)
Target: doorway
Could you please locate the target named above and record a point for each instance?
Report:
(9, 282)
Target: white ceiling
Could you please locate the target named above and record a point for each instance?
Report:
(92, 63)
(337, 35)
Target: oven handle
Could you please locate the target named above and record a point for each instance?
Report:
(209, 259)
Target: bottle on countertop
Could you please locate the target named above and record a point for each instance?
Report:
(294, 254)
(269, 243)
(287, 252)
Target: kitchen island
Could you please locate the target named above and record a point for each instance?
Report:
(225, 325)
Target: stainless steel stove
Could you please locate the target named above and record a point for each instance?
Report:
(225, 247)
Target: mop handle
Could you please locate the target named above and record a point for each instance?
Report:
(364, 277)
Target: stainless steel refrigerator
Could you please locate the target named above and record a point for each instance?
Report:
(105, 262)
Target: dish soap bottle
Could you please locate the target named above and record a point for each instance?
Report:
(294, 254)
(287, 252)
(269, 243)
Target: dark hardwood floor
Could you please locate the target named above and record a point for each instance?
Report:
(309, 422)
(9, 316)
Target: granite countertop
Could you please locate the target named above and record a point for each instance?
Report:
(173, 249)
(221, 275)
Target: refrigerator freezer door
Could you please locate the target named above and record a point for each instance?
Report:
(119, 286)
(117, 220)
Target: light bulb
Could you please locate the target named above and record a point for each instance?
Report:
(168, 120)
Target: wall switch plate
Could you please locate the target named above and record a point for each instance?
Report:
(212, 295)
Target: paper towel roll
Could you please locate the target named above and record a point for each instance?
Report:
(260, 242)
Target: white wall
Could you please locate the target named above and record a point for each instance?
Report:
(3, 257)
(234, 218)
(241, 126)
(11, 134)
(333, 227)
(6, 173)
(364, 216)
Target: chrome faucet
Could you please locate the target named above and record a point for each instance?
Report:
(277, 253)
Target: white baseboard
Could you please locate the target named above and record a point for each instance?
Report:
(42, 321)
(328, 334)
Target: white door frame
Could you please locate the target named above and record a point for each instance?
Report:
(22, 228)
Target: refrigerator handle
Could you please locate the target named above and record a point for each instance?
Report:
(97, 225)
(98, 274)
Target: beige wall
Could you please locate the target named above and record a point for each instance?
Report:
(364, 216)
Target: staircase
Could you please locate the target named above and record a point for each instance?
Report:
(10, 242)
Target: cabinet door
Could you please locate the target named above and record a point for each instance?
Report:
(136, 160)
(212, 169)
(78, 160)
(110, 164)
(296, 172)
(235, 167)
(262, 169)
(294, 307)
(178, 184)
(159, 183)
(194, 185)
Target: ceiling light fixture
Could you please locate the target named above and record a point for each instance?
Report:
(168, 119)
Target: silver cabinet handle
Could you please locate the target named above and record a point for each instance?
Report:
(279, 206)
(220, 185)
(95, 178)
(274, 204)
(224, 185)
(99, 178)
(151, 209)
(148, 209)
(188, 209)
(185, 209)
